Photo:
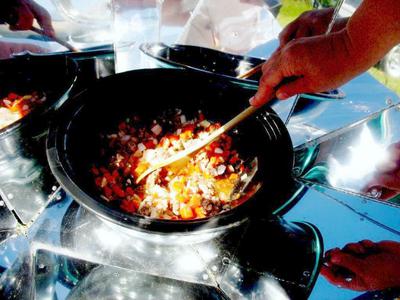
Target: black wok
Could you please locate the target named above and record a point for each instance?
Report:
(54, 78)
(74, 142)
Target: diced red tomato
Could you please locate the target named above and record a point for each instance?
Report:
(98, 181)
(130, 191)
(108, 192)
(118, 191)
(128, 206)
(149, 144)
(95, 171)
(122, 126)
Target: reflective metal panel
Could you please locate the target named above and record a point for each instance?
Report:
(362, 158)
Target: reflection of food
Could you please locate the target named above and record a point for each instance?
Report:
(204, 184)
(14, 107)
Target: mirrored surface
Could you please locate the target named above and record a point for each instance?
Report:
(361, 159)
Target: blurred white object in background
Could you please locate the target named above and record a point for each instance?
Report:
(233, 26)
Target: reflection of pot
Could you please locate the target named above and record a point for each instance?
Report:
(22, 143)
(288, 259)
(74, 140)
(53, 77)
(115, 283)
(226, 65)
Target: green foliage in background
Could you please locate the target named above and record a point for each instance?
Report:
(291, 9)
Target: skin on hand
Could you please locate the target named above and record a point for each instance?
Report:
(8, 49)
(364, 266)
(306, 65)
(27, 11)
(310, 23)
(322, 62)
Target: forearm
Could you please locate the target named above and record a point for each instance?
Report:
(373, 30)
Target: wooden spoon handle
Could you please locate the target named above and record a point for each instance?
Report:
(250, 72)
(56, 39)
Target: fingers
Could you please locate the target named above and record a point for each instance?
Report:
(389, 180)
(346, 281)
(266, 89)
(25, 18)
(368, 244)
(355, 248)
(288, 33)
(389, 246)
(347, 261)
(303, 31)
(43, 18)
(7, 50)
(295, 86)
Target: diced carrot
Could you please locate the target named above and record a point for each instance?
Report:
(188, 127)
(173, 137)
(233, 176)
(186, 212)
(195, 201)
(199, 212)
(164, 142)
(181, 198)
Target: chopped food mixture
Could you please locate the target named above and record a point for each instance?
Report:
(206, 183)
(14, 107)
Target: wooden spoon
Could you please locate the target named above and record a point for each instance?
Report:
(56, 39)
(214, 135)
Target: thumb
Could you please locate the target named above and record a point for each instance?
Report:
(348, 262)
(295, 86)
(43, 18)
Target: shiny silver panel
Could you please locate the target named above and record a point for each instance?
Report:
(362, 158)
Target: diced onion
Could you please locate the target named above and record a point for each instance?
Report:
(156, 129)
(221, 169)
(218, 151)
(205, 123)
(183, 119)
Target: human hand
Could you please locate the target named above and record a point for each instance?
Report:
(312, 64)
(25, 12)
(364, 266)
(310, 23)
(8, 49)
(387, 177)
